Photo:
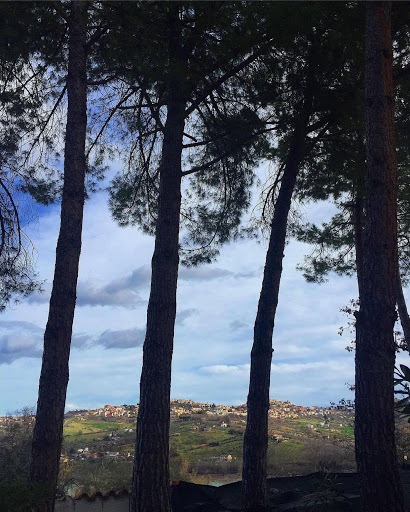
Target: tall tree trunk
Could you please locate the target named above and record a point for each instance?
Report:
(375, 347)
(403, 312)
(48, 431)
(400, 300)
(255, 442)
(151, 485)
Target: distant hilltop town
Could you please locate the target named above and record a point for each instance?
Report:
(109, 431)
(181, 407)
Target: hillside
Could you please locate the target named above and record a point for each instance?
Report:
(206, 442)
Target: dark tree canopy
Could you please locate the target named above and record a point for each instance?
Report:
(191, 97)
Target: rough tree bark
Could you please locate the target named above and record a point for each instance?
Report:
(400, 300)
(48, 431)
(255, 443)
(375, 347)
(151, 485)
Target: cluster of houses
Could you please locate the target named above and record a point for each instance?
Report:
(85, 454)
(9, 419)
(277, 409)
(188, 407)
(280, 409)
(181, 407)
(115, 411)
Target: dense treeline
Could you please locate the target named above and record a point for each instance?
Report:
(194, 95)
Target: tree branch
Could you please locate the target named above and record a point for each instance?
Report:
(59, 99)
(222, 156)
(229, 74)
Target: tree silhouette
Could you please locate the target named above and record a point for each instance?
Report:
(375, 347)
(48, 430)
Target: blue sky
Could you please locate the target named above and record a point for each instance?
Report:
(216, 310)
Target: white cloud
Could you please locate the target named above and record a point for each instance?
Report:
(203, 273)
(19, 339)
(13, 347)
(224, 369)
(214, 330)
(122, 292)
(291, 350)
(72, 407)
(121, 339)
(237, 325)
(184, 315)
(328, 366)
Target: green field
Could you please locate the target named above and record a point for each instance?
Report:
(203, 451)
(348, 431)
(186, 438)
(79, 432)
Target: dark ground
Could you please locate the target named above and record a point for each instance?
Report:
(334, 492)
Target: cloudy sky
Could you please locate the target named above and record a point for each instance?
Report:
(216, 310)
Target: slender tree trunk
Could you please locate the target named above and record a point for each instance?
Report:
(48, 431)
(255, 443)
(401, 301)
(375, 348)
(151, 483)
(403, 312)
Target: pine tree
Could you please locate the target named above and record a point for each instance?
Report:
(19, 113)
(314, 114)
(48, 431)
(255, 442)
(375, 347)
(339, 176)
(188, 60)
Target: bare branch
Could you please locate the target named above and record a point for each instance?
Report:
(53, 110)
(229, 74)
(110, 116)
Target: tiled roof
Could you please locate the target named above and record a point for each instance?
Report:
(92, 497)
(110, 494)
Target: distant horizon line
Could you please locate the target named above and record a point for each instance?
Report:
(77, 409)
(209, 403)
